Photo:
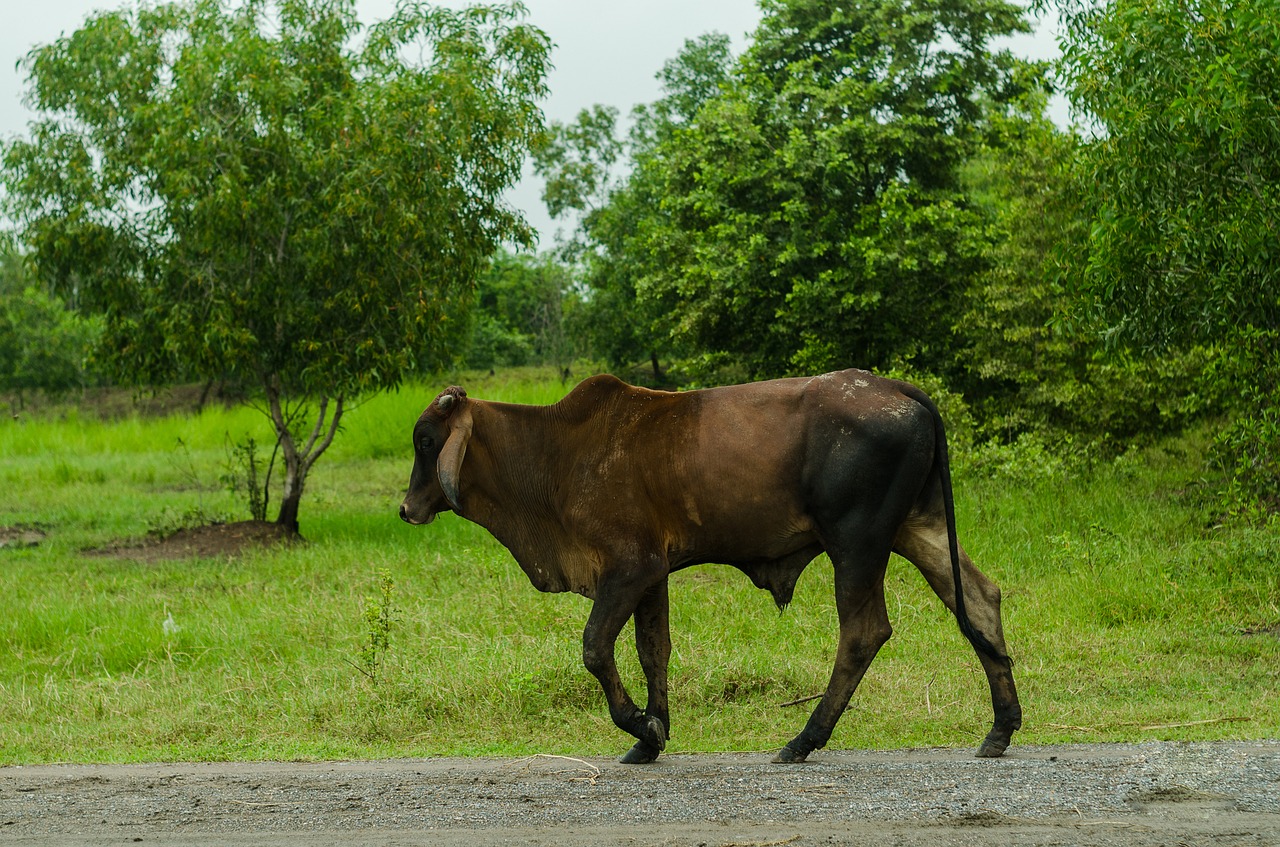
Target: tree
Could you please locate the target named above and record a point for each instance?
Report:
(43, 345)
(579, 162)
(1183, 172)
(802, 208)
(1023, 368)
(518, 313)
(249, 195)
(1183, 177)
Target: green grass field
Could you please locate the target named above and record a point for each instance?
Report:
(1129, 617)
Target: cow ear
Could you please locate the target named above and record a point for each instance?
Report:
(449, 465)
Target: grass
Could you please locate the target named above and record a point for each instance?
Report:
(1128, 615)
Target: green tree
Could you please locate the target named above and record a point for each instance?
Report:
(802, 209)
(1183, 173)
(1020, 369)
(518, 312)
(43, 345)
(248, 195)
(580, 163)
(1183, 177)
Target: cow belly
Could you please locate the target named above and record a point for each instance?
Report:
(749, 539)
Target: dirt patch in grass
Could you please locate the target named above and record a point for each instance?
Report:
(215, 541)
(22, 535)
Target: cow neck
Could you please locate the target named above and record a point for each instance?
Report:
(514, 487)
(511, 458)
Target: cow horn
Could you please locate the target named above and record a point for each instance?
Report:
(448, 399)
(449, 465)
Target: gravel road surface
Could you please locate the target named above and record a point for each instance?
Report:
(1225, 793)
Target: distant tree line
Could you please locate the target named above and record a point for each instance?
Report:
(870, 184)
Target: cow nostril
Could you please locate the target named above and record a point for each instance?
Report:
(403, 513)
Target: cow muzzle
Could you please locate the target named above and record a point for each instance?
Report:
(415, 519)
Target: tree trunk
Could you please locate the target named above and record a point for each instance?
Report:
(298, 460)
(289, 503)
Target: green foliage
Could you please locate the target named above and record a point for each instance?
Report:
(43, 345)
(518, 313)
(1182, 181)
(244, 194)
(614, 321)
(577, 158)
(1247, 451)
(379, 615)
(242, 473)
(800, 209)
(1183, 175)
(1023, 369)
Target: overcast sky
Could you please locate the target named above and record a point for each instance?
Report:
(606, 51)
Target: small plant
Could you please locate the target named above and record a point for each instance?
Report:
(380, 615)
(242, 472)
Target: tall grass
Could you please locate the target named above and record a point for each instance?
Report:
(1128, 614)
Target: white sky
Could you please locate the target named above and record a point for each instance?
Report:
(607, 51)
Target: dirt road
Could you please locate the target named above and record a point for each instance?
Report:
(1145, 794)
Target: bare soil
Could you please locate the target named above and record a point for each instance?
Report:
(212, 541)
(1155, 793)
(22, 535)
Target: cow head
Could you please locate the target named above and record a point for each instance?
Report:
(439, 444)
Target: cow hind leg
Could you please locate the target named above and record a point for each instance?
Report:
(923, 542)
(864, 628)
(614, 605)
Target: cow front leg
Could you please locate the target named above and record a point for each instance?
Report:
(608, 615)
(864, 628)
(653, 645)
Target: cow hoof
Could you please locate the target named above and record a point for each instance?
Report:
(641, 754)
(992, 748)
(788, 756)
(647, 749)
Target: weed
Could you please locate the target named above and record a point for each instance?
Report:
(379, 615)
(241, 472)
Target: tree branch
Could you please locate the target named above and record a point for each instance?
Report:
(310, 458)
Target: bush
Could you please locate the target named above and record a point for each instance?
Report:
(493, 344)
(43, 345)
(1247, 451)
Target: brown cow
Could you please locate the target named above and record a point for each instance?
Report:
(608, 491)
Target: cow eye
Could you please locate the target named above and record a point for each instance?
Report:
(426, 444)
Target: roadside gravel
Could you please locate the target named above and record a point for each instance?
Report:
(1225, 793)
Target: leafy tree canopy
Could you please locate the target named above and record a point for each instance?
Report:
(518, 315)
(43, 345)
(1183, 173)
(800, 208)
(1182, 178)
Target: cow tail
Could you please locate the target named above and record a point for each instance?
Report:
(942, 463)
